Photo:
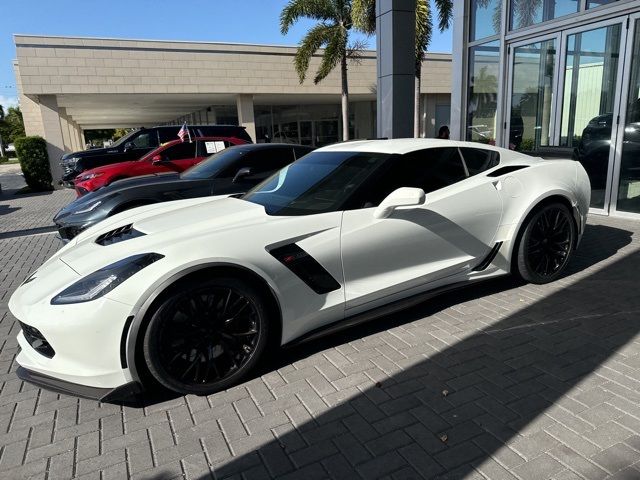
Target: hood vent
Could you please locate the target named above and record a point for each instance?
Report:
(120, 234)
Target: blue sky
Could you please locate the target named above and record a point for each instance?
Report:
(243, 21)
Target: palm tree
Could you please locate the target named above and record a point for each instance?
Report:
(332, 33)
(365, 19)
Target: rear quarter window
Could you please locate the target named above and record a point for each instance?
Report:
(479, 160)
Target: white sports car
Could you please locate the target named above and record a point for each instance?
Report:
(190, 293)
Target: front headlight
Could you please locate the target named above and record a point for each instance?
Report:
(102, 281)
(92, 206)
(70, 161)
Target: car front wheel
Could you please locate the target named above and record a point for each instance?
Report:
(546, 244)
(206, 336)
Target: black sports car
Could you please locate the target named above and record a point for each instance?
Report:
(234, 170)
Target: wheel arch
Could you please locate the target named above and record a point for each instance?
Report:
(562, 197)
(134, 331)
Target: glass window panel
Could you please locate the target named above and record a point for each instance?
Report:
(598, 3)
(629, 188)
(590, 78)
(484, 63)
(485, 18)
(529, 12)
(532, 96)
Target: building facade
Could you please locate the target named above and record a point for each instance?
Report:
(68, 85)
(556, 79)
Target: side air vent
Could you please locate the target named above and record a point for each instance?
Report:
(305, 267)
(489, 258)
(505, 170)
(120, 234)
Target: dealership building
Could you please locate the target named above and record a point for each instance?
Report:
(554, 78)
(68, 85)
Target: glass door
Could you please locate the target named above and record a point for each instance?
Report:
(533, 68)
(592, 72)
(627, 178)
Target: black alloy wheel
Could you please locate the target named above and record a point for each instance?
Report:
(206, 336)
(546, 244)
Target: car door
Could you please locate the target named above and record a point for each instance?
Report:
(413, 247)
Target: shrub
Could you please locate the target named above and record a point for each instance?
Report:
(4, 159)
(34, 161)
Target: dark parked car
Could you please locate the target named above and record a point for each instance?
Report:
(234, 170)
(138, 143)
(595, 145)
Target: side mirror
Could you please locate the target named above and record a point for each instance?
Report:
(243, 172)
(129, 146)
(160, 159)
(402, 197)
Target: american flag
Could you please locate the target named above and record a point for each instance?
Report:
(184, 132)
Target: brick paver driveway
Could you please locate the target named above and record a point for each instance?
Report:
(496, 381)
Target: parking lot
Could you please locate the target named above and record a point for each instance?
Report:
(498, 381)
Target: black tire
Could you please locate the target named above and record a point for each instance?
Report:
(546, 244)
(190, 349)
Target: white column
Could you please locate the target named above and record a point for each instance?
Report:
(244, 104)
(458, 69)
(65, 129)
(52, 134)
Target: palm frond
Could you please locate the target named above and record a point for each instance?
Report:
(333, 53)
(323, 10)
(363, 14)
(318, 36)
(525, 12)
(445, 13)
(424, 27)
(355, 51)
(497, 17)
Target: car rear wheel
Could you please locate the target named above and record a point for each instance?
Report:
(546, 244)
(206, 336)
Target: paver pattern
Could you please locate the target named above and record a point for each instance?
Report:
(497, 381)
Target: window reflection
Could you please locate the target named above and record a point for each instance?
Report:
(485, 18)
(629, 190)
(529, 12)
(598, 3)
(589, 94)
(532, 96)
(483, 92)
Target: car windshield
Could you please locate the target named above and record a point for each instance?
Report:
(317, 183)
(121, 140)
(216, 163)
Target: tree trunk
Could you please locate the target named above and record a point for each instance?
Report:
(416, 105)
(345, 98)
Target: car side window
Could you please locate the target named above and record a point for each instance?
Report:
(202, 147)
(429, 169)
(479, 160)
(261, 162)
(270, 160)
(168, 134)
(181, 151)
(148, 139)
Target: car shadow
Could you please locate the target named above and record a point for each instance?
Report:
(6, 209)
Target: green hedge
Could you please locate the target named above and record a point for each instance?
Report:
(34, 162)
